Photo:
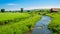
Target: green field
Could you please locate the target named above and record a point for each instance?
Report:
(17, 23)
(12, 17)
(20, 23)
(55, 22)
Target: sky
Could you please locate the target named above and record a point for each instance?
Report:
(28, 4)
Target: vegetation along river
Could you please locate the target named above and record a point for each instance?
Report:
(41, 26)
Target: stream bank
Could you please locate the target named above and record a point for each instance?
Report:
(41, 27)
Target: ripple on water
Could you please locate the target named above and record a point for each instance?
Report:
(41, 26)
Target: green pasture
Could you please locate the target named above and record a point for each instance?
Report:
(55, 22)
(19, 27)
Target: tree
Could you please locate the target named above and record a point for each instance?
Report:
(2, 10)
(28, 11)
(21, 9)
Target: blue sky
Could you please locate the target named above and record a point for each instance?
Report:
(29, 4)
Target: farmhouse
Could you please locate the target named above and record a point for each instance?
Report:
(54, 9)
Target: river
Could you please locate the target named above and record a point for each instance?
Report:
(41, 26)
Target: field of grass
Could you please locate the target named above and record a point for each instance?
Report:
(11, 17)
(19, 27)
(55, 23)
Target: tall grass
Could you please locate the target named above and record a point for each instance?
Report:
(9, 17)
(55, 23)
(19, 27)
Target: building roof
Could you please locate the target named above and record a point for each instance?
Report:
(54, 9)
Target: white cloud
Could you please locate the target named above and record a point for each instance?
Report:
(11, 4)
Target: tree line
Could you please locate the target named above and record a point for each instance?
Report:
(22, 10)
(3, 10)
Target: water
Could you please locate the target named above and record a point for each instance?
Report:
(41, 26)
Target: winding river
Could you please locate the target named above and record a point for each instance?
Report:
(41, 26)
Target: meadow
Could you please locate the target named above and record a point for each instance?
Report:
(22, 22)
(17, 23)
(11, 17)
(55, 22)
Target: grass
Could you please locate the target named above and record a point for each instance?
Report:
(55, 23)
(18, 27)
(9, 17)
